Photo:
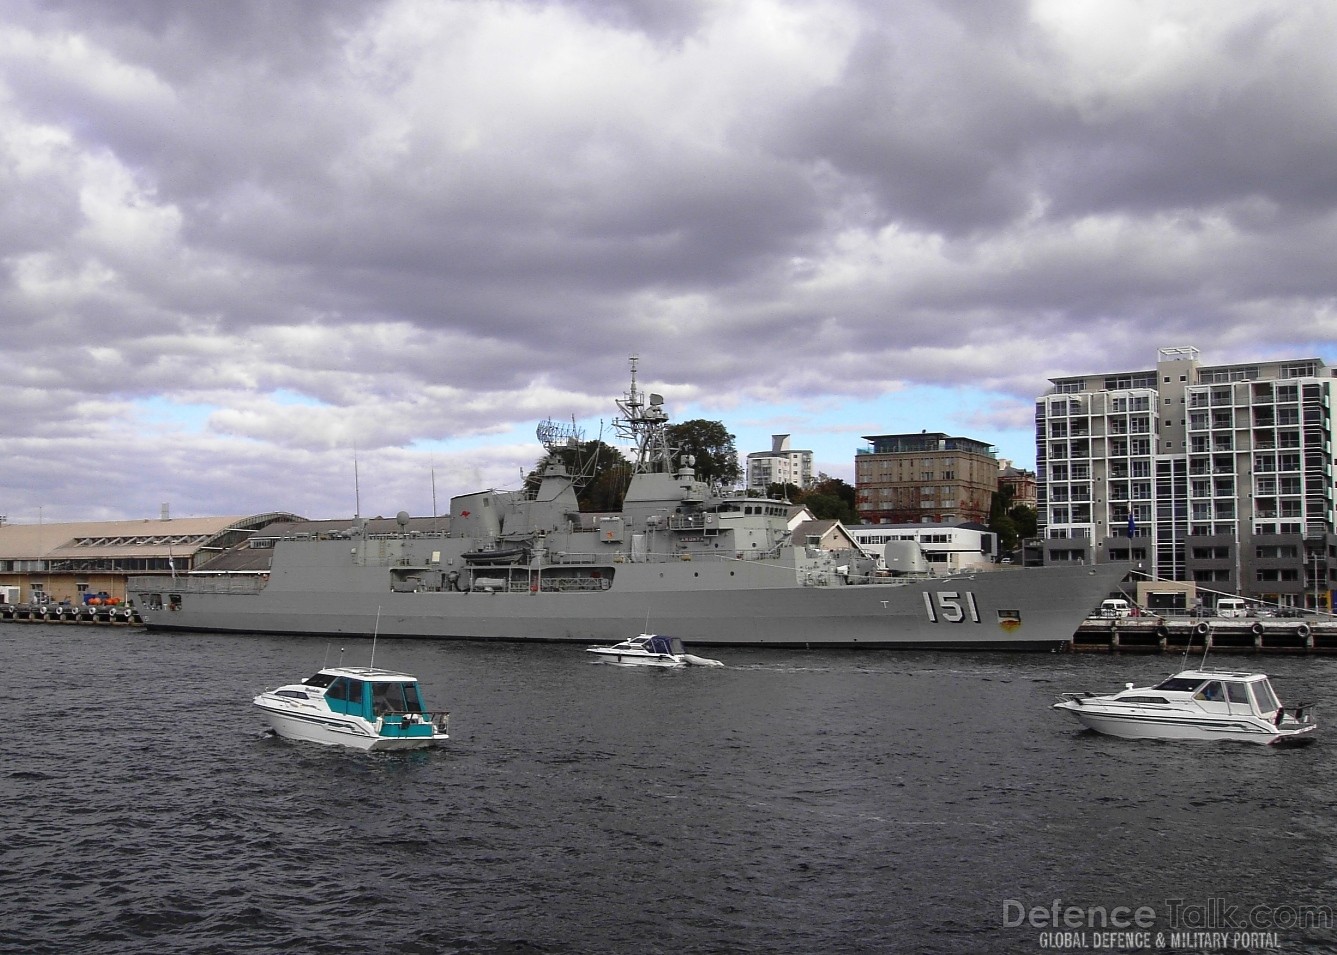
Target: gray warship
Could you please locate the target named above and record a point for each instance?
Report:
(712, 566)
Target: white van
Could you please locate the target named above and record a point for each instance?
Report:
(1115, 607)
(1232, 607)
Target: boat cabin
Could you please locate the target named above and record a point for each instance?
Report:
(1221, 691)
(372, 694)
(657, 644)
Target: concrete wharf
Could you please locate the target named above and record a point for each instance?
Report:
(118, 615)
(1156, 634)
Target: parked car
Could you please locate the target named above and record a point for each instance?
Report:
(1232, 607)
(1115, 607)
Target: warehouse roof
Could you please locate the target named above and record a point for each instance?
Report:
(142, 538)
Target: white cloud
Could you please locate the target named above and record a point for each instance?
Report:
(408, 226)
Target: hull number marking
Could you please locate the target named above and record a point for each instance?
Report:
(951, 606)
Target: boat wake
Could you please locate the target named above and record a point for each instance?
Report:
(696, 661)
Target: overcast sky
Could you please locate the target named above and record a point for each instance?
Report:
(244, 244)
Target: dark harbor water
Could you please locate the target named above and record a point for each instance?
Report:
(792, 802)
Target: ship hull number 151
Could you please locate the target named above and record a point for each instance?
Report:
(951, 606)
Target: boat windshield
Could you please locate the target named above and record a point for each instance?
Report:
(320, 679)
(1264, 698)
(395, 698)
(346, 695)
(1179, 683)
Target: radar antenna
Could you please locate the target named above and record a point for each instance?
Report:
(565, 444)
(558, 434)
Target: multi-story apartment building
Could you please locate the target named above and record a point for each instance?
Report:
(1216, 474)
(927, 477)
(780, 465)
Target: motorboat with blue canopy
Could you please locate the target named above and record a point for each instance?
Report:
(650, 650)
(362, 707)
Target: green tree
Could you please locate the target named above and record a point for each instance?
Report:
(1012, 522)
(785, 492)
(607, 489)
(826, 484)
(999, 522)
(1006, 529)
(832, 499)
(829, 499)
(602, 473)
(711, 445)
(1026, 519)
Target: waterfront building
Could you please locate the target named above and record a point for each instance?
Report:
(1221, 475)
(926, 477)
(65, 562)
(61, 562)
(826, 534)
(780, 465)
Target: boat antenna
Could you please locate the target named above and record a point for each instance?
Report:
(1183, 664)
(374, 633)
(1206, 649)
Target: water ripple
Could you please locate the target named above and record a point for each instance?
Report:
(787, 803)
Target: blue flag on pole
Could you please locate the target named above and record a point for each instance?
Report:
(1132, 524)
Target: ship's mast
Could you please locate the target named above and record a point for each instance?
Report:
(644, 423)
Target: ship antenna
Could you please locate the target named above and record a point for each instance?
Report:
(644, 423)
(357, 490)
(374, 633)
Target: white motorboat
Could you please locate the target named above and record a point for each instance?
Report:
(650, 650)
(363, 707)
(1194, 705)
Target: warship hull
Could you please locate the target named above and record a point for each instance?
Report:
(733, 603)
